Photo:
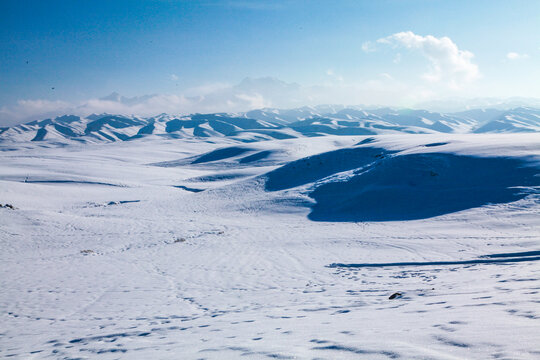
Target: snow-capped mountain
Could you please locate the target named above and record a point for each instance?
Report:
(517, 120)
(267, 124)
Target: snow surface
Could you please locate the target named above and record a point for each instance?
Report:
(287, 249)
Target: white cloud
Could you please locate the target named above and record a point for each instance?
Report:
(28, 109)
(174, 77)
(251, 93)
(448, 64)
(247, 95)
(368, 47)
(254, 101)
(332, 74)
(516, 56)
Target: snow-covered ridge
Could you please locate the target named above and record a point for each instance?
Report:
(268, 124)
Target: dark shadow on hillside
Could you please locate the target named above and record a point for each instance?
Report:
(76, 182)
(255, 157)
(437, 263)
(317, 167)
(221, 154)
(420, 186)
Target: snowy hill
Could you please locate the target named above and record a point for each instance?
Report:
(268, 124)
(214, 248)
(370, 183)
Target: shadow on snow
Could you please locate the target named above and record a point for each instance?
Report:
(385, 186)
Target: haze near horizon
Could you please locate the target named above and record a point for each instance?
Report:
(181, 57)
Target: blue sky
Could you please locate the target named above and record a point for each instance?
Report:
(313, 51)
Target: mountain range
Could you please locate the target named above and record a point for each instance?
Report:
(266, 124)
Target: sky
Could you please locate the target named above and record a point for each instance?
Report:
(150, 57)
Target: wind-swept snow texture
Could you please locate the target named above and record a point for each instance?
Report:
(225, 247)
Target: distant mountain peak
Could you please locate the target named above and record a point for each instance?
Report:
(271, 123)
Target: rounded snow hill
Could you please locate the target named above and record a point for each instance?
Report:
(419, 186)
(388, 180)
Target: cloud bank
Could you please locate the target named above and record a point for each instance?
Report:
(249, 94)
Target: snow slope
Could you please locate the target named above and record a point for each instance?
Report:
(216, 249)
